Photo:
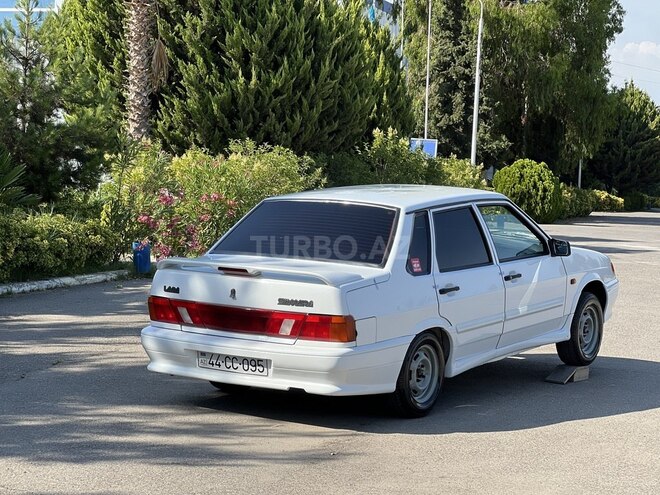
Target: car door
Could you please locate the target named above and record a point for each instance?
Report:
(468, 283)
(535, 282)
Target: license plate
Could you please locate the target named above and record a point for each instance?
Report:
(233, 364)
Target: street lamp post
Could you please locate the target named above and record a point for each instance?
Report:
(428, 73)
(477, 84)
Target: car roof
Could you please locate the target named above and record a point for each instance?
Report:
(404, 196)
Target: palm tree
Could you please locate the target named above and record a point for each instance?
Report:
(147, 64)
(12, 191)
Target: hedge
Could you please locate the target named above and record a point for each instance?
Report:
(46, 245)
(604, 201)
(576, 202)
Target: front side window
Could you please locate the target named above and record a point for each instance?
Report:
(325, 231)
(459, 242)
(512, 238)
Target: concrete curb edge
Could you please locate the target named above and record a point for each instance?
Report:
(54, 283)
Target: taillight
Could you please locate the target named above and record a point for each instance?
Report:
(255, 321)
(160, 309)
(613, 270)
(330, 328)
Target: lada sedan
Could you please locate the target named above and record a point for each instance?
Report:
(375, 290)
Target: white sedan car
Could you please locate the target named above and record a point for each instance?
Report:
(374, 290)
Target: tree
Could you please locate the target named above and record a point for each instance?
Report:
(85, 43)
(52, 148)
(393, 106)
(452, 71)
(452, 74)
(307, 75)
(546, 63)
(140, 24)
(629, 159)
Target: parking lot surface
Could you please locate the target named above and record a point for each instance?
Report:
(79, 412)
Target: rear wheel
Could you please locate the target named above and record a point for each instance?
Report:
(586, 333)
(230, 388)
(420, 378)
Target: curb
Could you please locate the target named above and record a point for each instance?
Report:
(92, 278)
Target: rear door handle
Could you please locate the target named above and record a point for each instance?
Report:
(447, 290)
(508, 278)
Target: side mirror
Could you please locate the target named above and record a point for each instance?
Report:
(559, 247)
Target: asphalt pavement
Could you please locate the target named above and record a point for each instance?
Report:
(79, 412)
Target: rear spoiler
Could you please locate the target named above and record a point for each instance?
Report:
(332, 279)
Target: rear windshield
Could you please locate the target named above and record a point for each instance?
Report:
(325, 231)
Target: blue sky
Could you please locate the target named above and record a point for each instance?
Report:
(635, 54)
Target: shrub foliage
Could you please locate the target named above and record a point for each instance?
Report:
(184, 204)
(604, 201)
(44, 245)
(533, 187)
(576, 202)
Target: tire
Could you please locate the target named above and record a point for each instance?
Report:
(420, 378)
(586, 333)
(229, 388)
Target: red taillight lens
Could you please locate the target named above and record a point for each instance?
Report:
(160, 309)
(330, 328)
(255, 321)
(613, 270)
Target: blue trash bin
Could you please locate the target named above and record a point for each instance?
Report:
(141, 257)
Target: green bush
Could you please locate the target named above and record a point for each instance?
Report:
(45, 245)
(207, 194)
(533, 187)
(604, 201)
(74, 203)
(346, 169)
(455, 172)
(576, 202)
(392, 162)
(386, 160)
(11, 237)
(635, 201)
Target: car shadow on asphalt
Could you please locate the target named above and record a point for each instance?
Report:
(504, 396)
(114, 409)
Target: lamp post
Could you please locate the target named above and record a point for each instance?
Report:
(477, 84)
(428, 72)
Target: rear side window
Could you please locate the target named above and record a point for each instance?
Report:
(459, 241)
(324, 231)
(419, 253)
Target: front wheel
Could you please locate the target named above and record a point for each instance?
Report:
(420, 378)
(586, 333)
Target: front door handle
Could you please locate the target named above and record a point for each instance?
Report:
(513, 276)
(447, 290)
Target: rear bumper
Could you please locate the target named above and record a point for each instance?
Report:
(315, 368)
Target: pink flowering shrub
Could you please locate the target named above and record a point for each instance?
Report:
(138, 172)
(205, 195)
